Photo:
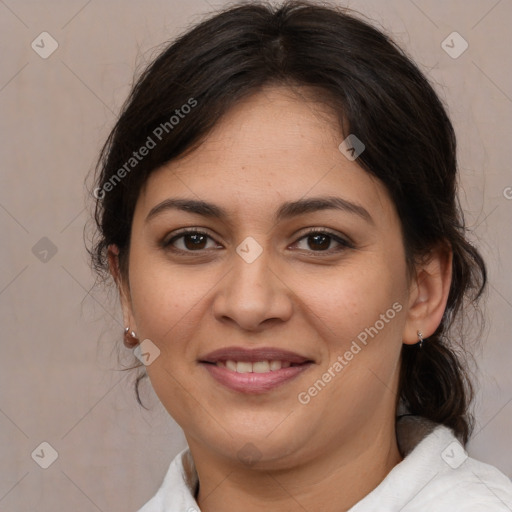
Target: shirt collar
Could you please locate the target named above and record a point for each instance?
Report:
(417, 438)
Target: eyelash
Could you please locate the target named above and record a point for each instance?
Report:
(346, 244)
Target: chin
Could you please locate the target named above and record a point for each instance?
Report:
(266, 449)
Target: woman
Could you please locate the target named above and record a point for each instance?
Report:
(277, 205)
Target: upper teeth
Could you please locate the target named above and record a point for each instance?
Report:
(256, 367)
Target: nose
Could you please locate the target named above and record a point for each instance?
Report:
(253, 295)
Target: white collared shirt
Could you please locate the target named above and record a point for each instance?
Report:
(436, 475)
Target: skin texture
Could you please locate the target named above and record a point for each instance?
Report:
(328, 454)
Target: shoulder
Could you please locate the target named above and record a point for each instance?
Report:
(455, 480)
(469, 485)
(437, 474)
(176, 494)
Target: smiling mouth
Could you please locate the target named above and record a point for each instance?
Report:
(264, 366)
(260, 357)
(254, 371)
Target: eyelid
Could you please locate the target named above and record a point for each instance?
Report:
(185, 231)
(340, 238)
(166, 242)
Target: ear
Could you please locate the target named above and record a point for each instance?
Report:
(428, 294)
(123, 287)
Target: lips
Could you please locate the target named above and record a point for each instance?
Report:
(253, 355)
(254, 371)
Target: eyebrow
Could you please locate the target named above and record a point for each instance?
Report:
(286, 210)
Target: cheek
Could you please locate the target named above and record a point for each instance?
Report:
(164, 296)
(165, 306)
(360, 316)
(346, 301)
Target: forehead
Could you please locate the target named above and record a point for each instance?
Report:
(273, 146)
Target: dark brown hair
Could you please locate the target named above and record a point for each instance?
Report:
(379, 95)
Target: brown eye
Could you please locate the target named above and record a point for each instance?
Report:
(189, 241)
(320, 241)
(194, 241)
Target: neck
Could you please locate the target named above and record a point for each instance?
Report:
(332, 482)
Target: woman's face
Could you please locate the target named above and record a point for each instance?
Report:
(337, 300)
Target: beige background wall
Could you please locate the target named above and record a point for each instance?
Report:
(59, 378)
